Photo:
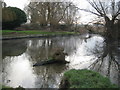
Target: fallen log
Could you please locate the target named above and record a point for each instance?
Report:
(50, 62)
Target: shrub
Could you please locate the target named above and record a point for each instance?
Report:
(12, 17)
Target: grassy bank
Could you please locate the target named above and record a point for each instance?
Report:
(33, 32)
(3, 86)
(85, 79)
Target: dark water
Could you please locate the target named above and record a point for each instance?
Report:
(19, 56)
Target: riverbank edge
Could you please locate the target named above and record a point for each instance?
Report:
(36, 36)
(69, 81)
(84, 78)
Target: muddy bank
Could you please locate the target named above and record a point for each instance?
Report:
(35, 36)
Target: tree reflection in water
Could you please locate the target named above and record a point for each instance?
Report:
(49, 76)
(15, 48)
(43, 49)
(107, 60)
(105, 56)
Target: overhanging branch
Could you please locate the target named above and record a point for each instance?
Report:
(90, 12)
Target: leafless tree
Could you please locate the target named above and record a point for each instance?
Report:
(51, 13)
(109, 10)
(2, 3)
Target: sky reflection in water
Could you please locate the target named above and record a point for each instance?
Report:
(18, 70)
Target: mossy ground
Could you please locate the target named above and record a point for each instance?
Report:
(87, 79)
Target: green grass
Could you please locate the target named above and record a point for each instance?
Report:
(3, 86)
(32, 32)
(87, 79)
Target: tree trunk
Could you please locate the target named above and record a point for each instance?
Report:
(110, 33)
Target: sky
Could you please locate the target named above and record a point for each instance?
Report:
(84, 17)
(16, 3)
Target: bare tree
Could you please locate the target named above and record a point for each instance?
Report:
(109, 10)
(51, 13)
(2, 3)
(71, 15)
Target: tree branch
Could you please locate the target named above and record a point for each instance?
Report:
(90, 12)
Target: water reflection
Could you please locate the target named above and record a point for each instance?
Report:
(82, 53)
(18, 71)
(13, 47)
(108, 62)
(49, 76)
(83, 57)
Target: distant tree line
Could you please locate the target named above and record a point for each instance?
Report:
(39, 15)
(52, 13)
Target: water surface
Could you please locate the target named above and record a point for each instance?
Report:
(19, 56)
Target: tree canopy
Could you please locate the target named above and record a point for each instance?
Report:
(12, 17)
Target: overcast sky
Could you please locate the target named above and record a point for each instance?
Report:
(85, 17)
(16, 3)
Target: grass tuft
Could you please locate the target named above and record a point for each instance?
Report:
(87, 79)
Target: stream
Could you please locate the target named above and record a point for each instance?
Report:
(84, 52)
